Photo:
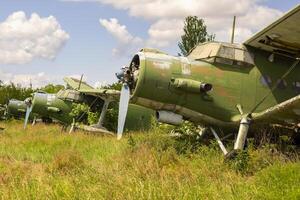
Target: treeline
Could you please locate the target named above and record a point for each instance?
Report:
(16, 91)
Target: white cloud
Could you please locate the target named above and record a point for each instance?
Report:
(165, 32)
(22, 39)
(37, 80)
(126, 42)
(157, 9)
(117, 30)
(167, 18)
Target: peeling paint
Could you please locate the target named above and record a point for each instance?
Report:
(162, 65)
(50, 98)
(289, 121)
(186, 69)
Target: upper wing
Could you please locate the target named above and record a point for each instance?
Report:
(105, 94)
(286, 113)
(74, 83)
(282, 36)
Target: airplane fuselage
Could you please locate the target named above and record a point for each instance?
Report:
(139, 118)
(51, 106)
(233, 86)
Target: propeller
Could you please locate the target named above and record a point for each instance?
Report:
(123, 108)
(28, 103)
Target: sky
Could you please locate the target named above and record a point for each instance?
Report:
(42, 41)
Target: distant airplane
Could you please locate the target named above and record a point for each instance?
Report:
(59, 106)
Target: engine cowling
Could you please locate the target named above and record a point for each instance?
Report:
(168, 117)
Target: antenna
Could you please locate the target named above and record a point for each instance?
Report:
(80, 82)
(233, 29)
(30, 84)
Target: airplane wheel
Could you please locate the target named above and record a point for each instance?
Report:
(231, 155)
(47, 120)
(296, 136)
(64, 128)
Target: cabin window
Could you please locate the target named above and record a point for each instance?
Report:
(224, 61)
(266, 80)
(71, 95)
(282, 84)
(224, 53)
(296, 85)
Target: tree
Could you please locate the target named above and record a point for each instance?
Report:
(12, 91)
(194, 33)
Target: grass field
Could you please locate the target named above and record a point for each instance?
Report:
(45, 163)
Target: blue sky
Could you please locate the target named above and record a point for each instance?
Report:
(87, 45)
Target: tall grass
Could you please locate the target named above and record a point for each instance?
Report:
(45, 163)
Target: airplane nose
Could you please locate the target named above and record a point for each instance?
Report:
(33, 100)
(38, 100)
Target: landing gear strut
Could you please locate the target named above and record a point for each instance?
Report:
(240, 140)
(242, 134)
(102, 115)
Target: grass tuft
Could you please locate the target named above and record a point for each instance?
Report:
(68, 161)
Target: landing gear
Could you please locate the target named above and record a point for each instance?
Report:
(296, 136)
(240, 140)
(34, 121)
(96, 127)
(64, 128)
(72, 126)
(221, 145)
(242, 134)
(102, 115)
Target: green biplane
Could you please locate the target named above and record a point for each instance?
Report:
(59, 106)
(236, 86)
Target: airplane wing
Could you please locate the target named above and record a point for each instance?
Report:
(280, 37)
(74, 83)
(287, 113)
(105, 94)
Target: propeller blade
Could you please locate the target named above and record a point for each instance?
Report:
(123, 107)
(28, 111)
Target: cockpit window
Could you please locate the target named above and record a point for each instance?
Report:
(71, 95)
(266, 80)
(224, 53)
